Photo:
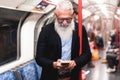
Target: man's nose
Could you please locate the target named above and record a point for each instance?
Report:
(65, 22)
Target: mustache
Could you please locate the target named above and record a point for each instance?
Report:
(64, 25)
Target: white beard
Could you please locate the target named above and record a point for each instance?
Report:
(64, 32)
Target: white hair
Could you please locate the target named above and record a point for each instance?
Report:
(64, 5)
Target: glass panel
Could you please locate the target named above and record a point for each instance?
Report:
(9, 20)
(8, 39)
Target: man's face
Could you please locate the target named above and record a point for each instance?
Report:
(64, 18)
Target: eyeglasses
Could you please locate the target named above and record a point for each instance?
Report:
(61, 20)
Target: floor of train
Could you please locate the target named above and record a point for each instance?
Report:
(99, 71)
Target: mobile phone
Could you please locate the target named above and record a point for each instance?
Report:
(64, 63)
(87, 72)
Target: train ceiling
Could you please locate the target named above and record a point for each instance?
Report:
(102, 8)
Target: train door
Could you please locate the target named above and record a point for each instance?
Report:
(19, 30)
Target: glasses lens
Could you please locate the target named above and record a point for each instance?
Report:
(68, 20)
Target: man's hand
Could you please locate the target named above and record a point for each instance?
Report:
(72, 64)
(83, 75)
(57, 64)
(66, 64)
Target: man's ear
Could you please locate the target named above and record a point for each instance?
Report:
(55, 14)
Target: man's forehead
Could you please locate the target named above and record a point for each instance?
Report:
(64, 13)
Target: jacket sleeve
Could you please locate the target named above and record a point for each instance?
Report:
(85, 57)
(40, 52)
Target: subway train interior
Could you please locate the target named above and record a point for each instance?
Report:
(20, 25)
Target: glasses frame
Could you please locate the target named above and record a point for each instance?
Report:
(61, 20)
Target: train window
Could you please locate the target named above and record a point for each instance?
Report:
(9, 20)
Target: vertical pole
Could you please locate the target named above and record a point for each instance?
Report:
(117, 39)
(80, 22)
(80, 30)
(116, 27)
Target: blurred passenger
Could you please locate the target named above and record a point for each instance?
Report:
(92, 43)
(100, 42)
(76, 15)
(112, 54)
